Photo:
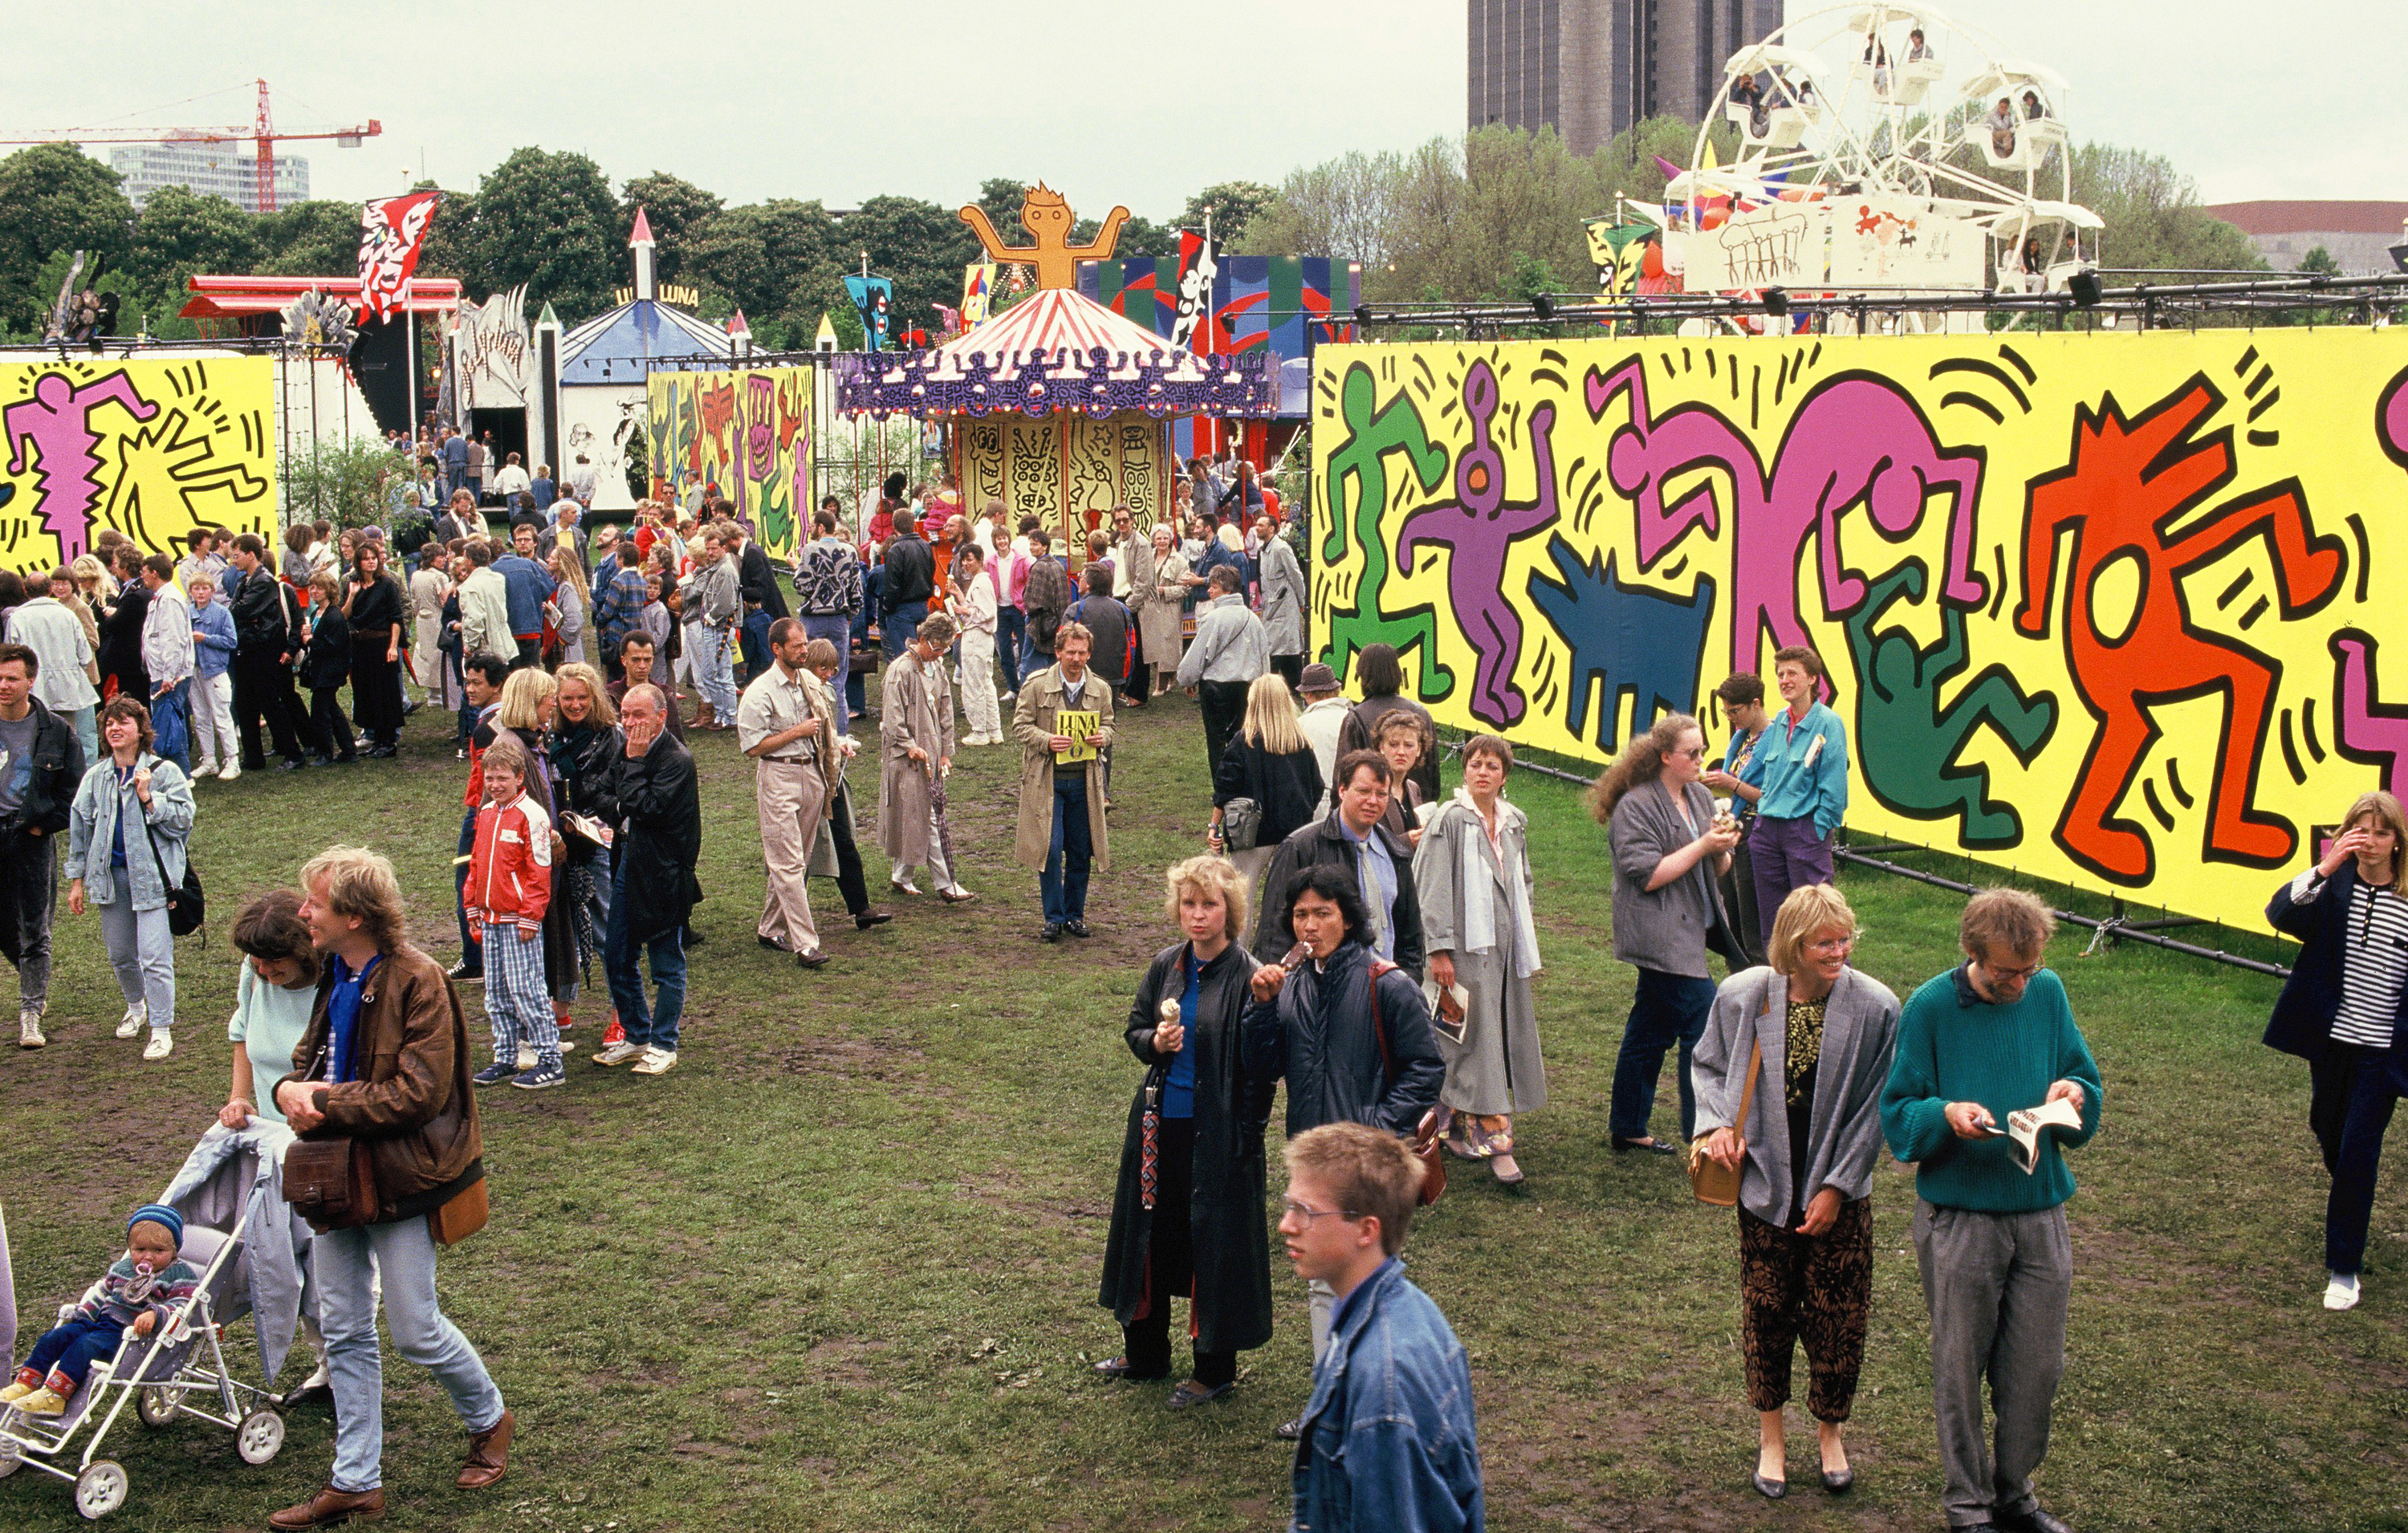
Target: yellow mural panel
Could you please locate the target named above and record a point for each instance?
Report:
(153, 448)
(2104, 608)
(746, 431)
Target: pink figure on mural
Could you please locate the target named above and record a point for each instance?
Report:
(1478, 528)
(1854, 441)
(2371, 731)
(56, 423)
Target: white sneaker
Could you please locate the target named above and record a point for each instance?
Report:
(2342, 1292)
(29, 1030)
(231, 771)
(656, 1062)
(620, 1053)
(159, 1046)
(137, 1017)
(526, 1059)
(207, 769)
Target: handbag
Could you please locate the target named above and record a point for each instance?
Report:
(331, 1182)
(186, 908)
(1241, 824)
(1428, 1136)
(1710, 1180)
(462, 1215)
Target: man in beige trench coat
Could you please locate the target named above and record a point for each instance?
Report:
(1062, 802)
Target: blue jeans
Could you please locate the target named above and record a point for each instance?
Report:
(2350, 1206)
(654, 1025)
(1064, 878)
(404, 1259)
(73, 1346)
(714, 674)
(1011, 633)
(755, 636)
(472, 952)
(1668, 1009)
(900, 627)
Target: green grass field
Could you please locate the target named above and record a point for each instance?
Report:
(837, 1272)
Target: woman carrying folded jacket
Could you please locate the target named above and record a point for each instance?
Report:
(1187, 1217)
(1805, 1156)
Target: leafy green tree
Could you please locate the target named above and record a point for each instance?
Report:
(2318, 263)
(550, 220)
(923, 246)
(177, 234)
(452, 247)
(55, 197)
(999, 195)
(1234, 207)
(311, 239)
(2154, 216)
(760, 254)
(676, 210)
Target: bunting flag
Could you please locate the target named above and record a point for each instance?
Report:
(1200, 262)
(978, 290)
(874, 297)
(392, 230)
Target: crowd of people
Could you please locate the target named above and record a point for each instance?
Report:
(1350, 928)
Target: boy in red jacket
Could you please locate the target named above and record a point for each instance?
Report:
(509, 887)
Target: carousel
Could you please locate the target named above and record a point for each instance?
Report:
(1060, 407)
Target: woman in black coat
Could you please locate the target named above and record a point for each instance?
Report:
(2344, 1010)
(121, 630)
(325, 664)
(1204, 1114)
(1269, 761)
(372, 604)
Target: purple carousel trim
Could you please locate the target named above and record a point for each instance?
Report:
(1100, 382)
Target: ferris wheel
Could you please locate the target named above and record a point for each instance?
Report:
(1882, 149)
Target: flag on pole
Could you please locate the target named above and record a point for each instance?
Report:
(1200, 262)
(392, 230)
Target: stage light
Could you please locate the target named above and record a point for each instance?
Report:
(2083, 285)
(1776, 303)
(1543, 306)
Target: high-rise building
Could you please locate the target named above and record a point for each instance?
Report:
(1591, 68)
(223, 169)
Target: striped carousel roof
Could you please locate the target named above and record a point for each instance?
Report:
(1042, 326)
(1058, 351)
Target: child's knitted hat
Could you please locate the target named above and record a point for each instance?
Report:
(159, 1213)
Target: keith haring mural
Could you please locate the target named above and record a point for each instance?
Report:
(749, 433)
(153, 448)
(2102, 609)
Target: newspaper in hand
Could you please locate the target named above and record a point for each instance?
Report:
(2024, 1128)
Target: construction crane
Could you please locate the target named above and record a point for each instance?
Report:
(260, 130)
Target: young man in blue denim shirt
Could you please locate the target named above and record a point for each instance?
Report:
(1388, 1441)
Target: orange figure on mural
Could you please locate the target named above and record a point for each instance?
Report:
(1047, 217)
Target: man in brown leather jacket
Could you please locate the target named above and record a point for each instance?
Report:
(385, 1060)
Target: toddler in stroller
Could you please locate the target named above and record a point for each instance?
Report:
(142, 1288)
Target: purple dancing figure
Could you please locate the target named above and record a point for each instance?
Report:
(56, 423)
(1478, 528)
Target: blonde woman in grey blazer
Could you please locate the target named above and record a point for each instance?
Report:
(1806, 1157)
(1670, 846)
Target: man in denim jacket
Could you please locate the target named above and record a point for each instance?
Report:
(1388, 1442)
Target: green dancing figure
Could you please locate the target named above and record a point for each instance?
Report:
(1372, 434)
(1906, 739)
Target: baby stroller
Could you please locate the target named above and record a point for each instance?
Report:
(179, 1368)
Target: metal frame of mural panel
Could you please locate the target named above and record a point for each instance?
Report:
(2102, 610)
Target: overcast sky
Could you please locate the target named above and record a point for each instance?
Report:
(1109, 102)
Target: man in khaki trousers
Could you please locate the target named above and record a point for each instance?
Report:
(777, 727)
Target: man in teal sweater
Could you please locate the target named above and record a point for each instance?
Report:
(1989, 1038)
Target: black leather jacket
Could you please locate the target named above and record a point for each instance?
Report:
(58, 769)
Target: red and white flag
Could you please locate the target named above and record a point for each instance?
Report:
(392, 230)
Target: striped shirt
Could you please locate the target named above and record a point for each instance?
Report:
(2374, 962)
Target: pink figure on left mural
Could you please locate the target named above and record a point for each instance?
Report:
(56, 423)
(1854, 441)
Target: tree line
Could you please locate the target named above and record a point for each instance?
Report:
(1494, 213)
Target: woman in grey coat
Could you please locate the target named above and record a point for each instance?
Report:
(1471, 872)
(126, 832)
(1670, 846)
(1821, 1035)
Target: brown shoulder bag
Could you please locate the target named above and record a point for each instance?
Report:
(1428, 1137)
(1709, 1179)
